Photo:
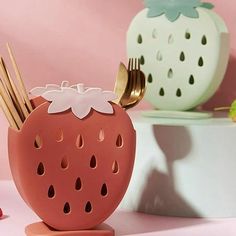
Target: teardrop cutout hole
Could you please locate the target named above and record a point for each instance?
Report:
(104, 191)
(162, 92)
(191, 80)
(60, 136)
(101, 135)
(51, 192)
(182, 56)
(93, 162)
(38, 143)
(159, 56)
(201, 62)
(79, 141)
(78, 184)
(64, 163)
(154, 33)
(66, 208)
(88, 207)
(40, 169)
(178, 93)
(119, 141)
(142, 60)
(171, 39)
(140, 39)
(150, 79)
(204, 40)
(170, 74)
(187, 34)
(115, 167)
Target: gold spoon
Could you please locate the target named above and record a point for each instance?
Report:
(121, 83)
(136, 85)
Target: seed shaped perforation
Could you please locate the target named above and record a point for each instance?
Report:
(93, 162)
(67, 208)
(162, 92)
(140, 39)
(170, 73)
(40, 169)
(104, 190)
(51, 192)
(142, 60)
(191, 80)
(78, 184)
(115, 167)
(179, 93)
(64, 163)
(101, 135)
(88, 207)
(38, 142)
(59, 136)
(159, 56)
(119, 141)
(201, 62)
(187, 34)
(79, 141)
(204, 40)
(154, 33)
(150, 79)
(171, 39)
(182, 56)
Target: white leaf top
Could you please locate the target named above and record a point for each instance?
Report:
(76, 97)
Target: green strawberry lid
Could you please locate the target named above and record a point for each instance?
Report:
(172, 9)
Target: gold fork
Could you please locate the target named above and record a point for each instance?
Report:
(135, 89)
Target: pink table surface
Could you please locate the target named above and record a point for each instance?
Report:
(17, 215)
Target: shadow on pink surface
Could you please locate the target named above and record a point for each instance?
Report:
(4, 217)
(137, 223)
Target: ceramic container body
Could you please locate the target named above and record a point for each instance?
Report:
(184, 61)
(73, 173)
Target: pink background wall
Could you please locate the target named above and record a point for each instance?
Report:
(82, 41)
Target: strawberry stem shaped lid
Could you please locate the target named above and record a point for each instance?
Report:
(78, 98)
(174, 8)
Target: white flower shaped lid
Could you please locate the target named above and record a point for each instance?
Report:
(78, 98)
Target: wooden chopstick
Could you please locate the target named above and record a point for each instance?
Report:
(10, 105)
(9, 89)
(19, 100)
(8, 113)
(22, 88)
(14, 100)
(5, 80)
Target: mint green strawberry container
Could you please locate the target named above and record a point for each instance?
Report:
(183, 46)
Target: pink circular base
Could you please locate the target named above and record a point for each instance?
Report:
(41, 229)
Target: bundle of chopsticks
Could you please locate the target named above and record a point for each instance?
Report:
(14, 98)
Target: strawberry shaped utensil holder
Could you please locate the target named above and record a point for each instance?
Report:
(183, 48)
(72, 172)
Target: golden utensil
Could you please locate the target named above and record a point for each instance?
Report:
(136, 85)
(120, 83)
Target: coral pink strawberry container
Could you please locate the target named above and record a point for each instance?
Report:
(72, 173)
